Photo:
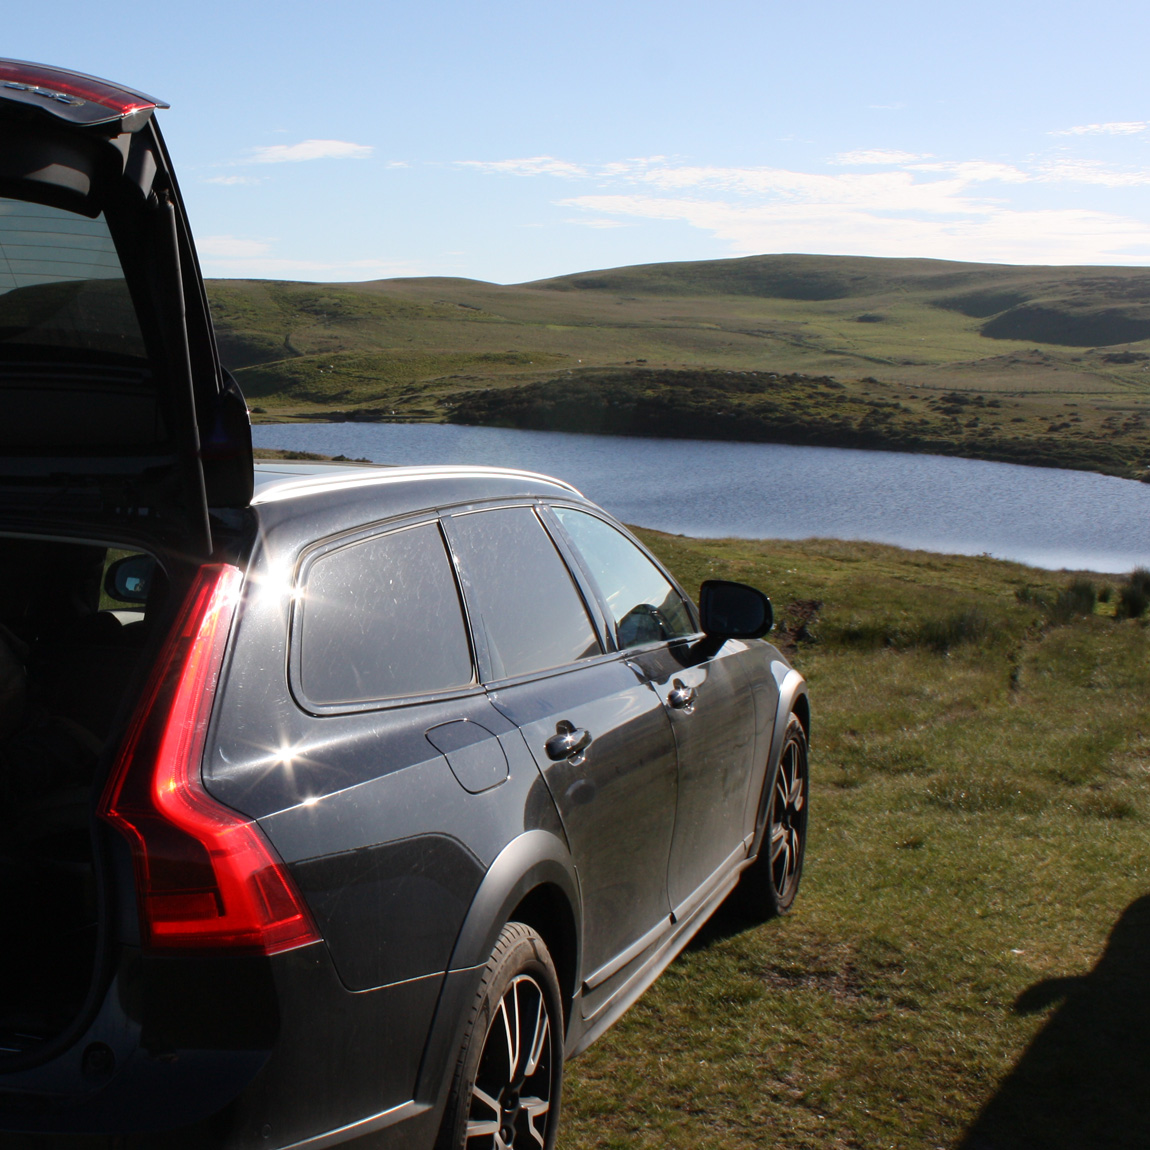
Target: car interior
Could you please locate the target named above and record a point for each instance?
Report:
(68, 653)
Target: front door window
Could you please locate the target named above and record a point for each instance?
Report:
(644, 605)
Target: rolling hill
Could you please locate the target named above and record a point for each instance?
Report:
(1031, 364)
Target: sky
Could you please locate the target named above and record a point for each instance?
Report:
(511, 141)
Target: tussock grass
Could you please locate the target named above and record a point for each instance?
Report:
(1134, 595)
(969, 626)
(1132, 601)
(971, 923)
(1078, 598)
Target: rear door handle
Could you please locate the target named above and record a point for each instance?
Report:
(568, 742)
(682, 698)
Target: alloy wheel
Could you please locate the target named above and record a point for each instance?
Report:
(511, 1096)
(789, 819)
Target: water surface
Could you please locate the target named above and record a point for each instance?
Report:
(1043, 516)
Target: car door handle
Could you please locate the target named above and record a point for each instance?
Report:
(568, 742)
(682, 698)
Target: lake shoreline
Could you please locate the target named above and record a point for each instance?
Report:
(607, 404)
(1045, 517)
(1027, 455)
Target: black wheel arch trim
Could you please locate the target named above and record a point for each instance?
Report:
(533, 859)
(792, 697)
(530, 861)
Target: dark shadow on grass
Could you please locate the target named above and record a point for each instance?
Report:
(1084, 1082)
(728, 920)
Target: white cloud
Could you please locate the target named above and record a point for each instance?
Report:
(636, 163)
(985, 232)
(231, 247)
(937, 209)
(254, 259)
(876, 156)
(232, 180)
(310, 150)
(893, 190)
(881, 202)
(532, 166)
(1116, 128)
(240, 266)
(1092, 172)
(978, 171)
(596, 222)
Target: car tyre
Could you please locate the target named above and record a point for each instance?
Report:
(769, 885)
(505, 1093)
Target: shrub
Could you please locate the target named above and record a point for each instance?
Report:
(865, 636)
(1132, 601)
(1076, 599)
(1032, 596)
(967, 626)
(1140, 578)
(1104, 593)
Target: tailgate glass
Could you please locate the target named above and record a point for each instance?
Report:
(61, 283)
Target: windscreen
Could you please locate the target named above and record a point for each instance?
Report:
(61, 285)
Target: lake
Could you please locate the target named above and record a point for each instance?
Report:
(1042, 516)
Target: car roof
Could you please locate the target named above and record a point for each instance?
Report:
(279, 480)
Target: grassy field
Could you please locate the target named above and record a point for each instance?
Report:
(967, 965)
(1042, 365)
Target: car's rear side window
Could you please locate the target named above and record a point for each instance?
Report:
(381, 619)
(533, 615)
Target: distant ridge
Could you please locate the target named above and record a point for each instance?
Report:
(1069, 306)
(797, 277)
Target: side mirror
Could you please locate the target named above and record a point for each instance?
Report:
(129, 580)
(734, 610)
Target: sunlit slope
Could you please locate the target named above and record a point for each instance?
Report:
(1063, 352)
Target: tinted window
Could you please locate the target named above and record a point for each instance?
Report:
(532, 611)
(61, 284)
(382, 618)
(646, 608)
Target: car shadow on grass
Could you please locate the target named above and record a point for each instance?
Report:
(1084, 1082)
(730, 918)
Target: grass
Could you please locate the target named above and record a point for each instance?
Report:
(286, 453)
(966, 962)
(916, 355)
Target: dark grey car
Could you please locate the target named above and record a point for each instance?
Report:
(337, 804)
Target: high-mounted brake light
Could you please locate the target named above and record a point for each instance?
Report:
(72, 95)
(207, 878)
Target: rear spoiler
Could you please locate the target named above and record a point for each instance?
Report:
(85, 101)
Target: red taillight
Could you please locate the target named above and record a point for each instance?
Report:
(206, 876)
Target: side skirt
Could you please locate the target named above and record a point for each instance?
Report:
(682, 925)
(396, 1114)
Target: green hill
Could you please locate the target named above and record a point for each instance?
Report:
(1078, 307)
(1034, 364)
